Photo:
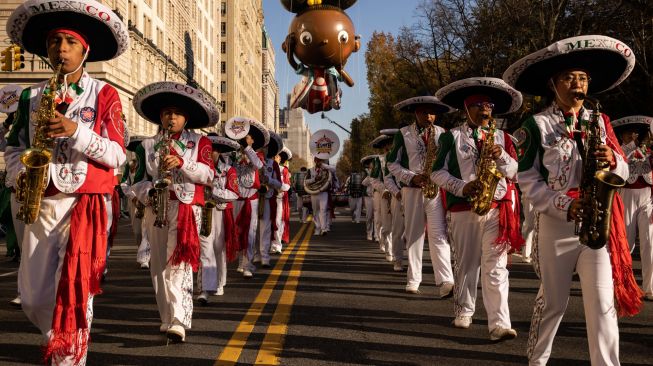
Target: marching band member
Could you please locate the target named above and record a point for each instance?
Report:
(220, 245)
(177, 165)
(136, 207)
(384, 143)
(319, 200)
(302, 208)
(636, 194)
(248, 163)
(368, 164)
(354, 190)
(64, 249)
(271, 181)
(469, 157)
(282, 235)
(397, 222)
(413, 146)
(550, 172)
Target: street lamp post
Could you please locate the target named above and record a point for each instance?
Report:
(324, 116)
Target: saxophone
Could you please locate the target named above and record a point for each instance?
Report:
(430, 190)
(487, 174)
(597, 186)
(207, 212)
(31, 184)
(162, 184)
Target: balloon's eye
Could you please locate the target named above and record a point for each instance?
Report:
(306, 38)
(343, 36)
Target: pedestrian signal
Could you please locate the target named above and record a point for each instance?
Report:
(18, 58)
(6, 59)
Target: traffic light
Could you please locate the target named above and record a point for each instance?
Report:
(18, 58)
(6, 59)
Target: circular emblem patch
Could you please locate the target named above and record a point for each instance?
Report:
(87, 114)
(190, 144)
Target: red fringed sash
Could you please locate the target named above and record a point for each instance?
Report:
(243, 220)
(626, 291)
(509, 225)
(286, 218)
(81, 272)
(188, 241)
(230, 238)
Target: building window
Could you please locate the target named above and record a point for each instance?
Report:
(223, 9)
(223, 47)
(223, 105)
(223, 87)
(223, 29)
(223, 67)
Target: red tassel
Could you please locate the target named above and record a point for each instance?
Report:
(187, 249)
(230, 238)
(242, 222)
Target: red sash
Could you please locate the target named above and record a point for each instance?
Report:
(188, 241)
(230, 237)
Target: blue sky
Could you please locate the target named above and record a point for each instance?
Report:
(368, 16)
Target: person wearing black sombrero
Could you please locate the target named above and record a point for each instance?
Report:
(480, 242)
(634, 134)
(220, 245)
(367, 163)
(396, 221)
(64, 251)
(271, 180)
(249, 160)
(382, 196)
(550, 172)
(183, 158)
(406, 161)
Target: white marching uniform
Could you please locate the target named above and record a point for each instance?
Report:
(320, 201)
(369, 206)
(173, 284)
(406, 160)
(543, 139)
(528, 228)
(384, 208)
(213, 254)
(472, 236)
(248, 170)
(638, 209)
(355, 201)
(397, 218)
(277, 241)
(272, 172)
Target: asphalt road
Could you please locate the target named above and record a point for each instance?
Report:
(329, 300)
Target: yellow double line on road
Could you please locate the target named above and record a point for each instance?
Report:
(273, 341)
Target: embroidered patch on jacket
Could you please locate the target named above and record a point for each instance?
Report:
(523, 142)
(190, 144)
(87, 114)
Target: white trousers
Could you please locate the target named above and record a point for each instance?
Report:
(638, 214)
(173, 285)
(43, 252)
(301, 209)
(398, 243)
(277, 244)
(247, 258)
(472, 242)
(369, 217)
(428, 215)
(320, 211)
(355, 206)
(528, 228)
(265, 232)
(386, 225)
(376, 202)
(143, 252)
(559, 253)
(213, 256)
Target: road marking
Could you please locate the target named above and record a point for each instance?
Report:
(8, 274)
(231, 352)
(276, 332)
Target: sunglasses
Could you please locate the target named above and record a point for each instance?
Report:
(482, 105)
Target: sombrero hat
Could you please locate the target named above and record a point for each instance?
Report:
(366, 160)
(223, 144)
(638, 121)
(149, 100)
(134, 141)
(285, 154)
(381, 141)
(410, 104)
(275, 145)
(608, 62)
(505, 98)
(105, 32)
(389, 131)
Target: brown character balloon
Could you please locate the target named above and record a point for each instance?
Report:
(321, 36)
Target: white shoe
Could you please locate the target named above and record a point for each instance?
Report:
(389, 258)
(145, 265)
(257, 259)
(413, 290)
(220, 291)
(266, 264)
(176, 334)
(462, 321)
(164, 327)
(647, 297)
(444, 290)
(316, 232)
(502, 334)
(527, 259)
(240, 270)
(16, 302)
(203, 298)
(247, 274)
(369, 238)
(398, 267)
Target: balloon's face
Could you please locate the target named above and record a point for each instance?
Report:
(324, 37)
